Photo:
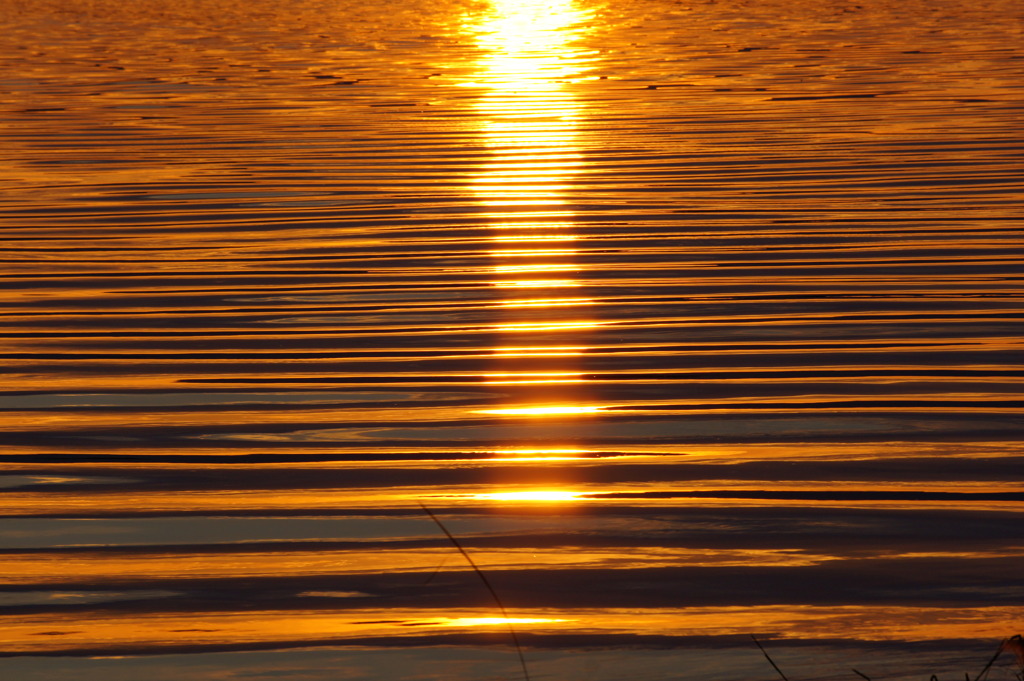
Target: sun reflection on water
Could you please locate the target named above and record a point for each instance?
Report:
(538, 283)
(540, 326)
(531, 495)
(530, 238)
(529, 120)
(553, 410)
(546, 454)
(530, 379)
(533, 267)
(542, 351)
(490, 621)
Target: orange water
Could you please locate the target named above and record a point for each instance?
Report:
(690, 322)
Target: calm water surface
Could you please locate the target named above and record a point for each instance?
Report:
(691, 321)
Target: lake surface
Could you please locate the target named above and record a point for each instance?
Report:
(690, 321)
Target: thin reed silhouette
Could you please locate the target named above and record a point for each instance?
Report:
(487, 583)
(1013, 644)
(769, 658)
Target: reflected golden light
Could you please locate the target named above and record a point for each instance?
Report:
(533, 495)
(542, 411)
(537, 252)
(489, 621)
(546, 225)
(537, 283)
(524, 196)
(142, 567)
(542, 351)
(158, 632)
(528, 159)
(529, 118)
(546, 214)
(547, 302)
(524, 26)
(547, 454)
(529, 171)
(534, 237)
(535, 267)
(561, 326)
(533, 379)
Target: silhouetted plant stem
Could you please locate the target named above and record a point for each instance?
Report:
(770, 660)
(1006, 643)
(490, 588)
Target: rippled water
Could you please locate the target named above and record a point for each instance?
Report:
(691, 322)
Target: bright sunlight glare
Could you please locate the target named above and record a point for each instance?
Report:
(489, 621)
(554, 410)
(533, 495)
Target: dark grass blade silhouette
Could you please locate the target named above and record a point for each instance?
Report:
(1013, 644)
(1016, 646)
(771, 661)
(490, 588)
